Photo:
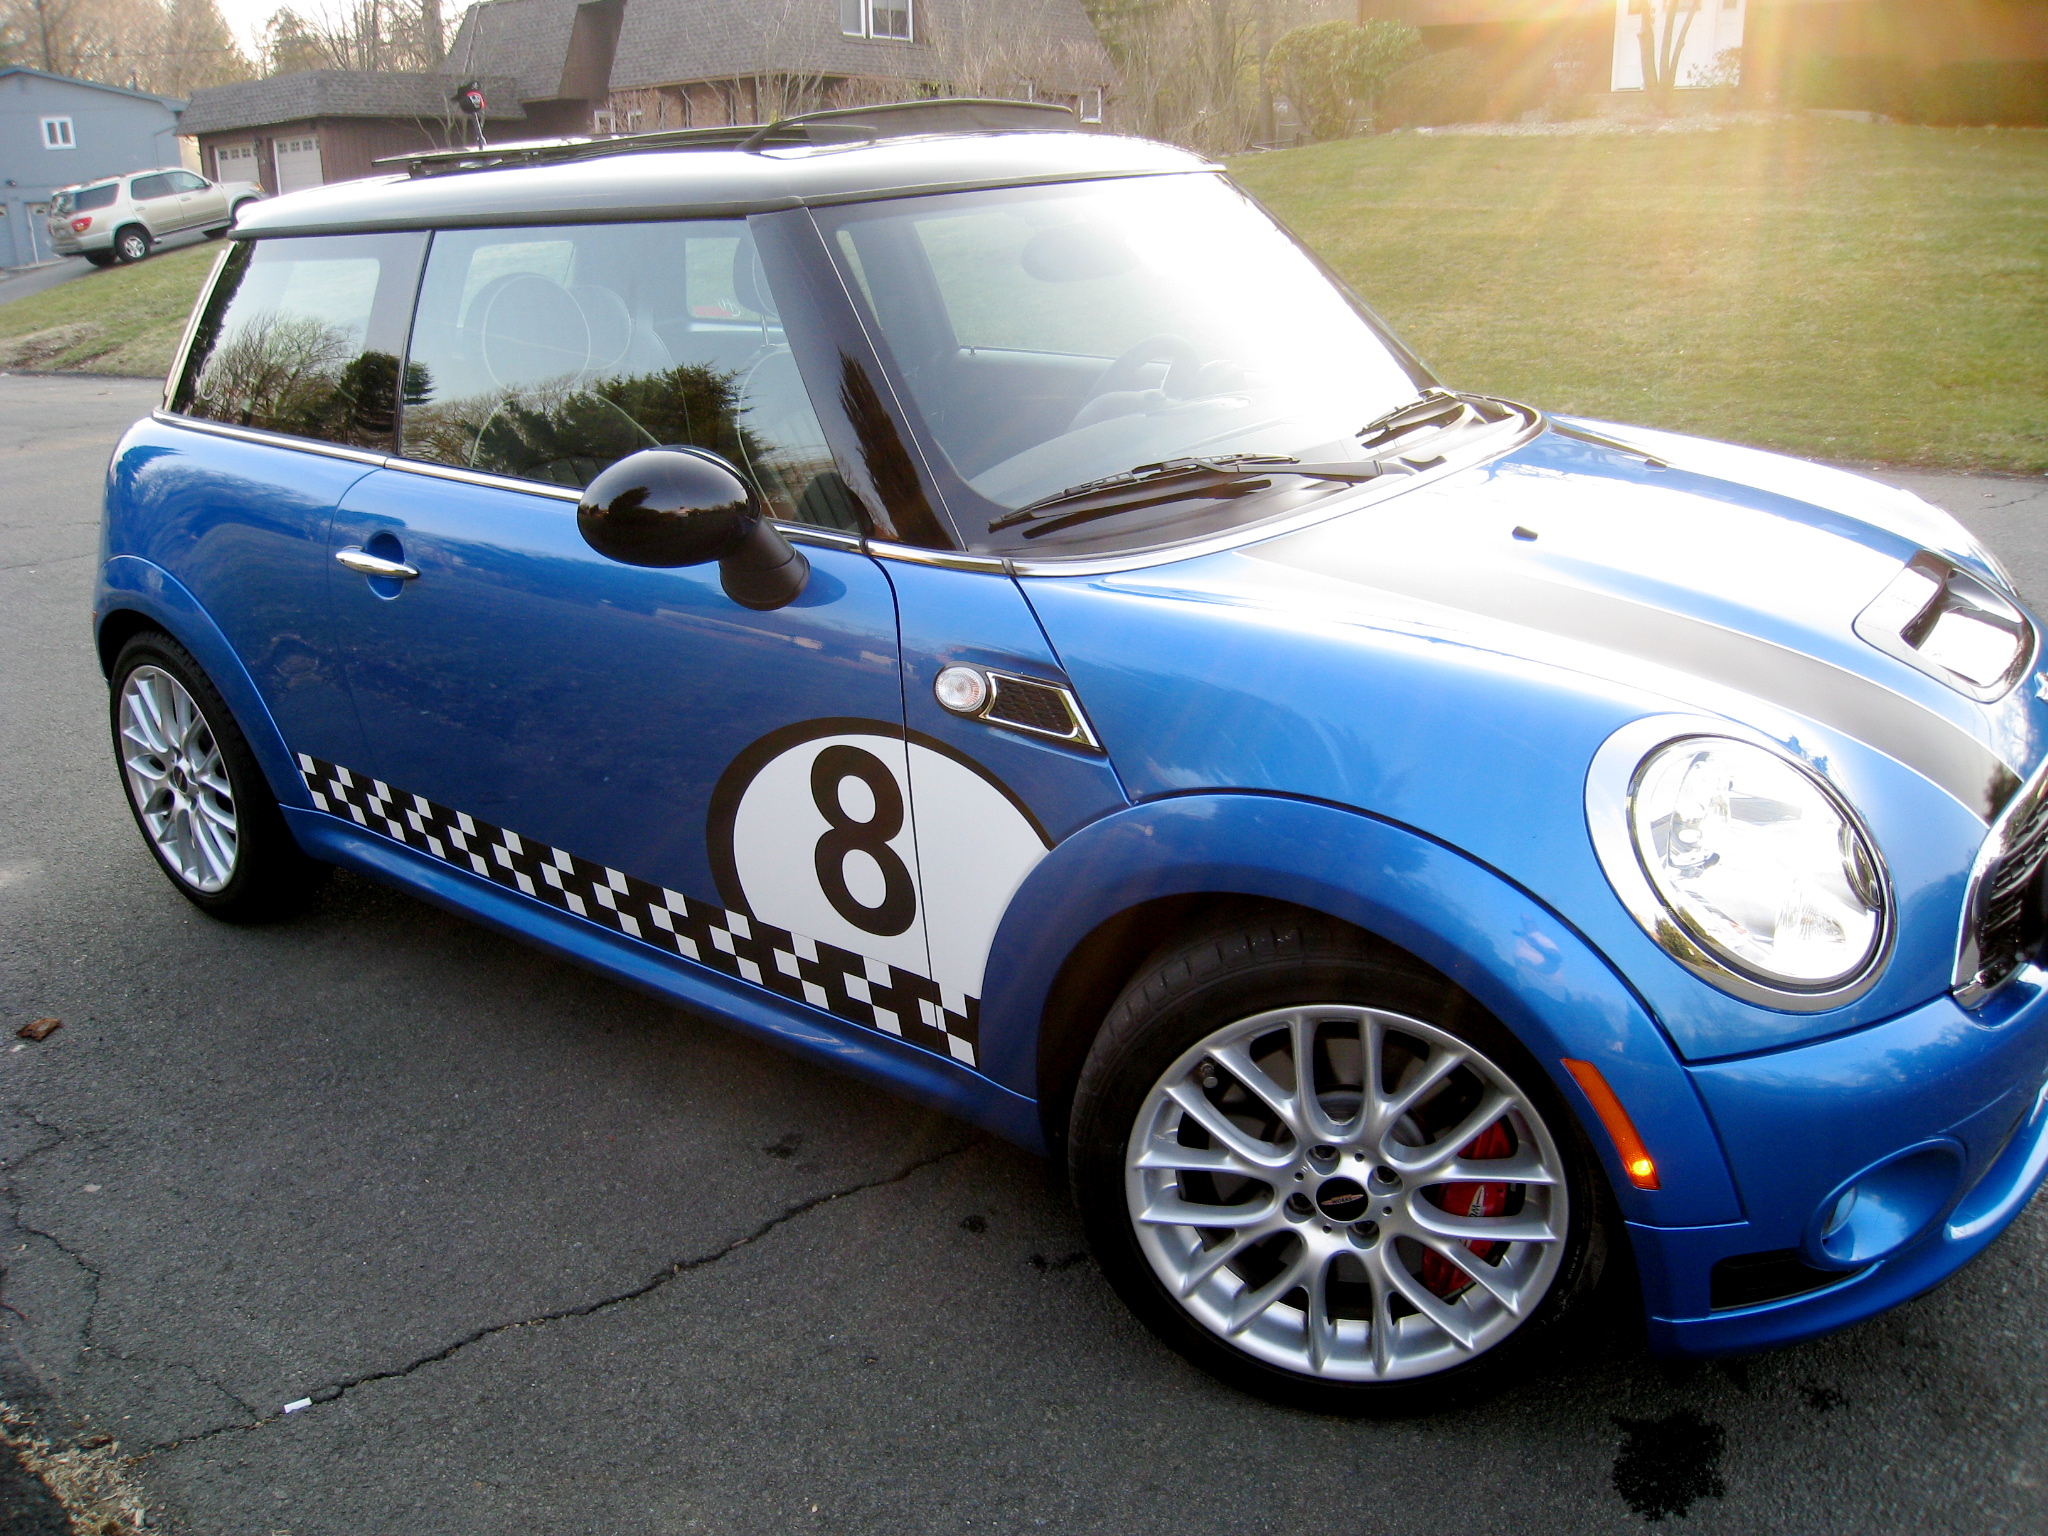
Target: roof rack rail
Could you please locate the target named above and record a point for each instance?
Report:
(841, 125)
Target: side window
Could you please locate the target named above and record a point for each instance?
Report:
(302, 335)
(547, 354)
(185, 181)
(143, 188)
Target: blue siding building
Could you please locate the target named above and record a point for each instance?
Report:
(55, 131)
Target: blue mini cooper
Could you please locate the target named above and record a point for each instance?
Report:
(977, 604)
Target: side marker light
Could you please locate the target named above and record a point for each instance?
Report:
(1636, 1161)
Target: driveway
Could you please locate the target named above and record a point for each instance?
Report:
(549, 1257)
(20, 282)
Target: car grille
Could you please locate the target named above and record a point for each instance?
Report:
(2004, 926)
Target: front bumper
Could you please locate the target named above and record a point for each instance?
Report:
(1796, 1124)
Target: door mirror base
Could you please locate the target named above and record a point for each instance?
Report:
(765, 572)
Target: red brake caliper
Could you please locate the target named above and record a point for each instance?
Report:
(1439, 1273)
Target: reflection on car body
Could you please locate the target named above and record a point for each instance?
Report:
(976, 603)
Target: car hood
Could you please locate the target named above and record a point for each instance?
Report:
(1700, 571)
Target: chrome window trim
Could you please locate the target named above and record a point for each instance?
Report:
(949, 559)
(802, 533)
(1339, 505)
(1610, 789)
(1966, 984)
(483, 478)
(183, 354)
(811, 533)
(269, 439)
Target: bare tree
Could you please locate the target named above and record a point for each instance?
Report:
(356, 34)
(1660, 38)
(171, 46)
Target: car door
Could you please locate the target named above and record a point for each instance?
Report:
(200, 202)
(630, 745)
(156, 203)
(286, 401)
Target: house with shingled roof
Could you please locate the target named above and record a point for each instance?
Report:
(556, 68)
(321, 125)
(631, 65)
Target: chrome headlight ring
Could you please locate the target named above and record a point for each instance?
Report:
(1612, 785)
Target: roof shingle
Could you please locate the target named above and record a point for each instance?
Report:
(315, 93)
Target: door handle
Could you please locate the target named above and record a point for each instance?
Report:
(366, 564)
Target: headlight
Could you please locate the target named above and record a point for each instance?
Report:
(1749, 868)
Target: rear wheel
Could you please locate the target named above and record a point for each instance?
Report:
(1323, 1174)
(197, 794)
(132, 243)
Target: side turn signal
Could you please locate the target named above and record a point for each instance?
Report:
(1636, 1161)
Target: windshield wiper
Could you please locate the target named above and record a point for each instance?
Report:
(1432, 406)
(1221, 478)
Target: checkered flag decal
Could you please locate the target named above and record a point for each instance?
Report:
(852, 987)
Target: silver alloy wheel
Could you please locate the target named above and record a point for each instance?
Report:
(1294, 1214)
(178, 780)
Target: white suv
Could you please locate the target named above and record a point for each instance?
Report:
(122, 217)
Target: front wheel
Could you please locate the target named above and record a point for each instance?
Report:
(1326, 1176)
(132, 244)
(197, 794)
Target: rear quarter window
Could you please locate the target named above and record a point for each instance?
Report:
(303, 335)
(94, 197)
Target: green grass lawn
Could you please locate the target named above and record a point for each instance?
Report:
(120, 320)
(1841, 290)
(1838, 290)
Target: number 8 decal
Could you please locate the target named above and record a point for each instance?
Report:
(845, 832)
(847, 835)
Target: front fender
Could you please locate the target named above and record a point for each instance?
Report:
(1519, 959)
(130, 583)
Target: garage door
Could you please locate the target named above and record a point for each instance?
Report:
(235, 162)
(298, 164)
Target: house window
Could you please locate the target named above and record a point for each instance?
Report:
(886, 19)
(1091, 104)
(57, 133)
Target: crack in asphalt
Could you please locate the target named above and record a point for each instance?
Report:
(57, 1137)
(662, 1277)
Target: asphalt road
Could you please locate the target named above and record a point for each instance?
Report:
(555, 1258)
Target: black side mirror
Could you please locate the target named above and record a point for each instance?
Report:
(665, 507)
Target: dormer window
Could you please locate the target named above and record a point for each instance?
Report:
(884, 20)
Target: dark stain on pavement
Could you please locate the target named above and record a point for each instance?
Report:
(27, 1507)
(1667, 1465)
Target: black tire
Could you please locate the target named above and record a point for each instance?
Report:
(247, 202)
(101, 258)
(1242, 966)
(269, 876)
(132, 243)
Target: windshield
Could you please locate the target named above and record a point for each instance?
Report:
(1046, 337)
